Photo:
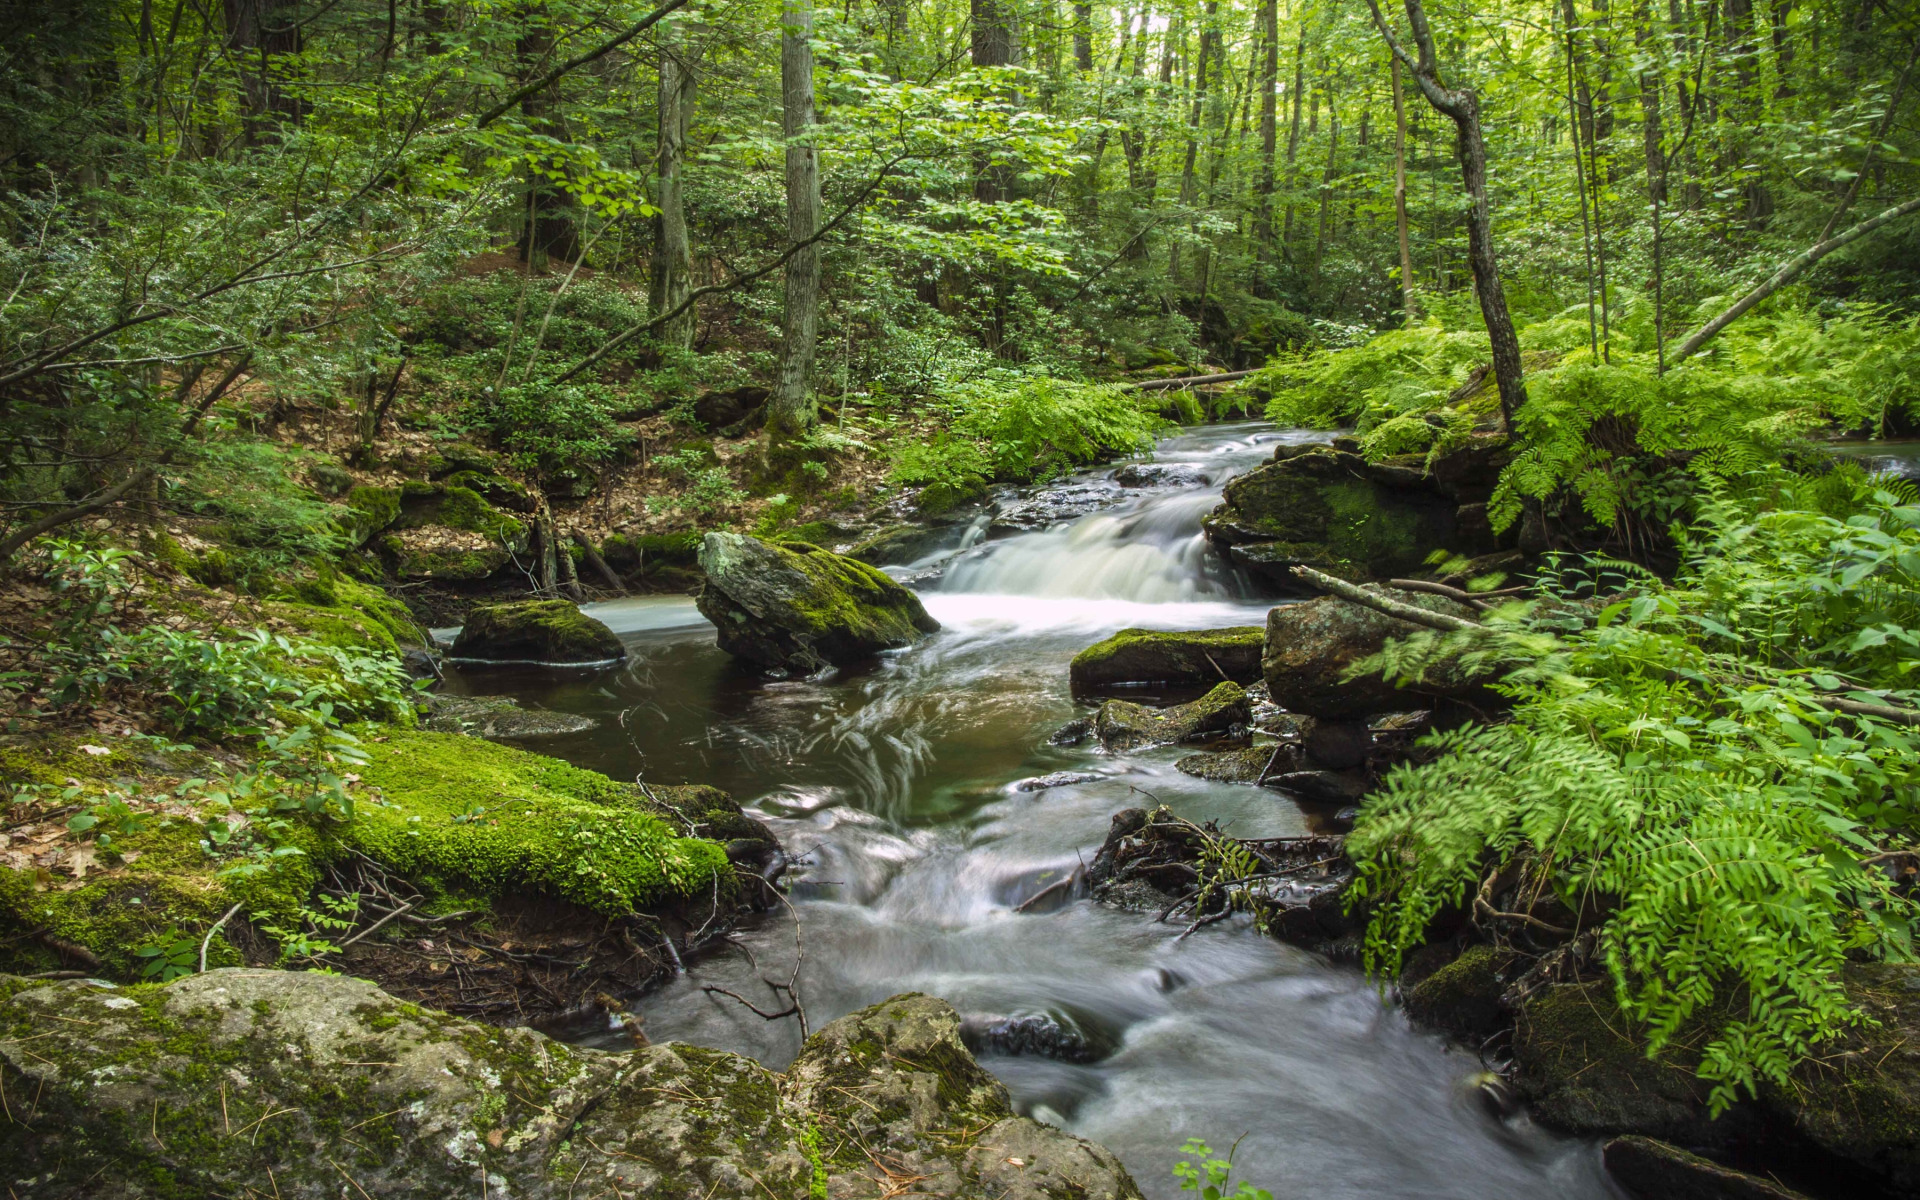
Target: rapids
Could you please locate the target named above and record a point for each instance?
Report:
(896, 789)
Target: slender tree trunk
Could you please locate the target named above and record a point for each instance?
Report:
(790, 409)
(672, 250)
(549, 231)
(1789, 271)
(1189, 189)
(1293, 134)
(1083, 38)
(1879, 135)
(1462, 107)
(1327, 176)
(1269, 131)
(258, 32)
(1400, 194)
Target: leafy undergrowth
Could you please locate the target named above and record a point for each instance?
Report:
(179, 791)
(1720, 776)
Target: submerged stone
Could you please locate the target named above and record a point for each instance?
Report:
(536, 631)
(1150, 656)
(795, 607)
(1121, 725)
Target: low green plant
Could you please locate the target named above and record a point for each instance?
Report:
(1210, 1179)
(168, 957)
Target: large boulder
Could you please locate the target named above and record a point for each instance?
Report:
(1333, 510)
(1121, 725)
(1193, 657)
(536, 631)
(795, 607)
(444, 532)
(1310, 647)
(302, 1085)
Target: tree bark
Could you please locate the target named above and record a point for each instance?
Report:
(1083, 38)
(1400, 194)
(672, 275)
(259, 31)
(1462, 107)
(790, 409)
(1269, 130)
(1293, 135)
(1789, 271)
(549, 231)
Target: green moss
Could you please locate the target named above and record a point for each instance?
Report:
(1361, 528)
(461, 811)
(369, 510)
(1145, 655)
(651, 549)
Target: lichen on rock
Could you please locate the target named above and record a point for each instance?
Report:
(306, 1085)
(1200, 656)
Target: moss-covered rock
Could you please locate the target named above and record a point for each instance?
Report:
(901, 544)
(469, 817)
(498, 718)
(1584, 1067)
(308, 1086)
(1122, 725)
(796, 607)
(1860, 1099)
(1311, 646)
(1653, 1170)
(536, 631)
(1188, 656)
(1332, 510)
(1250, 764)
(1463, 997)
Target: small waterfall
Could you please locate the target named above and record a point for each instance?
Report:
(1150, 552)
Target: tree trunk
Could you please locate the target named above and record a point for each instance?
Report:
(672, 251)
(1293, 135)
(1462, 107)
(1789, 271)
(1083, 38)
(1323, 228)
(1209, 36)
(790, 408)
(1400, 194)
(549, 231)
(1269, 130)
(259, 31)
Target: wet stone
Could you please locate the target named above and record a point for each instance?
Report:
(1041, 783)
(498, 718)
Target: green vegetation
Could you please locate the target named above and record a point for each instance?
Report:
(1708, 771)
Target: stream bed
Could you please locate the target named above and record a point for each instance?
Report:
(897, 790)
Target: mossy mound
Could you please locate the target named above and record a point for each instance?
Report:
(439, 531)
(1121, 725)
(468, 816)
(536, 631)
(1584, 1068)
(301, 1084)
(1190, 656)
(1463, 997)
(796, 607)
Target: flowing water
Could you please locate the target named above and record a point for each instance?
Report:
(896, 787)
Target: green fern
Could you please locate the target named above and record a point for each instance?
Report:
(1672, 763)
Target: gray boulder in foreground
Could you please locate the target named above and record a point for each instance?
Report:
(241, 1082)
(795, 607)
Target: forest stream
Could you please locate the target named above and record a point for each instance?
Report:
(898, 792)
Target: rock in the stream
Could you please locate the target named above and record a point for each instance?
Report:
(1330, 508)
(1159, 475)
(536, 631)
(311, 1086)
(903, 543)
(797, 608)
(498, 718)
(1652, 1170)
(1253, 764)
(1310, 647)
(1041, 783)
(1321, 787)
(1040, 1035)
(1121, 725)
(1201, 656)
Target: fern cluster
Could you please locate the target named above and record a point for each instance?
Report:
(1024, 429)
(1680, 764)
(1606, 427)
